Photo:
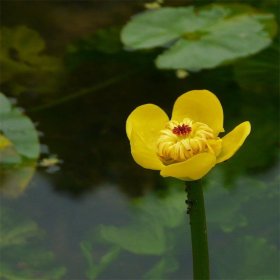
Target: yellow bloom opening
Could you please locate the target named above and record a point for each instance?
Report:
(179, 141)
(186, 147)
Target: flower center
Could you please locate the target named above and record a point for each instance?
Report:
(180, 141)
(182, 129)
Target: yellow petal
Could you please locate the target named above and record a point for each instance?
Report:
(201, 106)
(233, 141)
(147, 121)
(144, 153)
(192, 169)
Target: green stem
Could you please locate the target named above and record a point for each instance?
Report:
(82, 92)
(196, 211)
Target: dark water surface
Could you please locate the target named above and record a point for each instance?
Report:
(99, 215)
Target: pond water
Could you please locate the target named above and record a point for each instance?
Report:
(93, 213)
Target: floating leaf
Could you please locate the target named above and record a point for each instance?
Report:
(19, 129)
(19, 148)
(8, 154)
(158, 28)
(225, 41)
(199, 38)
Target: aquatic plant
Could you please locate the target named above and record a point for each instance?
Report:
(186, 147)
(23, 254)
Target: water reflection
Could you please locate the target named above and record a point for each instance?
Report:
(96, 234)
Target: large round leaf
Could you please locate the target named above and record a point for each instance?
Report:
(227, 40)
(200, 38)
(157, 28)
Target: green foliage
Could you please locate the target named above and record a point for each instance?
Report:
(19, 129)
(95, 268)
(226, 207)
(158, 234)
(159, 221)
(200, 38)
(147, 235)
(226, 216)
(146, 238)
(22, 253)
(15, 231)
(168, 211)
(104, 43)
(248, 206)
(163, 267)
(105, 50)
(153, 215)
(249, 257)
(24, 66)
(104, 40)
(19, 148)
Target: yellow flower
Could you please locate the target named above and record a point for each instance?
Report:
(186, 147)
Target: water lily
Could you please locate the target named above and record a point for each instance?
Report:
(188, 145)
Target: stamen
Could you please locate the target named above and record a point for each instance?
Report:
(180, 141)
(181, 130)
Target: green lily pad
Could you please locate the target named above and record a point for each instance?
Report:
(223, 42)
(19, 148)
(158, 28)
(19, 129)
(199, 38)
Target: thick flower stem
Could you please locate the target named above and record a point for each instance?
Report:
(196, 211)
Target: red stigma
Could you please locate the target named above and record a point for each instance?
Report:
(182, 129)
